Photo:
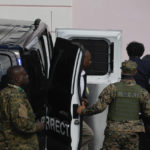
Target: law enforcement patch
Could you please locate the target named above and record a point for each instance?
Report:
(23, 111)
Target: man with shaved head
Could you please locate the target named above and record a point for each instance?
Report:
(18, 76)
(17, 121)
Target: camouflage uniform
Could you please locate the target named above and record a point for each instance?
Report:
(120, 134)
(17, 121)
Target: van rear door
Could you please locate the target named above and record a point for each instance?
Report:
(62, 121)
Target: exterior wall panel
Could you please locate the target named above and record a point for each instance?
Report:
(55, 13)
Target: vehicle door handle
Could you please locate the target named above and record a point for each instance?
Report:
(77, 122)
(75, 114)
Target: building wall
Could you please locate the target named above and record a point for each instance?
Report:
(56, 13)
(130, 16)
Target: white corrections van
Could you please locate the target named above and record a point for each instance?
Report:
(54, 72)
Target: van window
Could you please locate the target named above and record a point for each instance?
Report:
(38, 48)
(37, 63)
(101, 53)
(34, 63)
(5, 63)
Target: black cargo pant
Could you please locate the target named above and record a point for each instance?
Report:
(144, 141)
(144, 138)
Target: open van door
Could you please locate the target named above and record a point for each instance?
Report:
(62, 121)
(105, 49)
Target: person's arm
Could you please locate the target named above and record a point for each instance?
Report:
(22, 117)
(104, 100)
(145, 100)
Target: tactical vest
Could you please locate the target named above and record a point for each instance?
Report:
(126, 104)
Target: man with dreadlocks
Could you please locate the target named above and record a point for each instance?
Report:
(135, 51)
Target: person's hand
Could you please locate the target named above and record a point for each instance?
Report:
(40, 125)
(80, 108)
(85, 101)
